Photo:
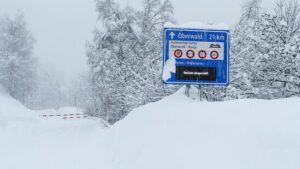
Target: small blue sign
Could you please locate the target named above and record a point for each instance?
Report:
(196, 56)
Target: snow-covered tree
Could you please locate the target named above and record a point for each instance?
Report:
(125, 58)
(110, 57)
(264, 51)
(151, 20)
(80, 93)
(243, 51)
(264, 61)
(50, 90)
(276, 37)
(17, 65)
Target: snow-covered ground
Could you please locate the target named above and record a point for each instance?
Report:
(174, 133)
(28, 141)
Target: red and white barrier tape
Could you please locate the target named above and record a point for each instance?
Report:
(66, 116)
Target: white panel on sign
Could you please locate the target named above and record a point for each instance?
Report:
(196, 50)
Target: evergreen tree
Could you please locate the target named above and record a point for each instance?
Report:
(17, 65)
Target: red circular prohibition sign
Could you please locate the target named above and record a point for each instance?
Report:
(190, 54)
(202, 54)
(214, 54)
(178, 53)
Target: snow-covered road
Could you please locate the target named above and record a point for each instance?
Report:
(52, 144)
(28, 141)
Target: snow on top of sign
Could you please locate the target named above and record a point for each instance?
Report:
(198, 25)
(169, 68)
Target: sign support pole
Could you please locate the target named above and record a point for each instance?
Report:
(187, 90)
(200, 92)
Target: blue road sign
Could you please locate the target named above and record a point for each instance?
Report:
(196, 56)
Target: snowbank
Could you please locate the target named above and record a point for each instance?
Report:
(178, 132)
(62, 110)
(29, 142)
(174, 133)
(69, 110)
(46, 111)
(12, 108)
(13, 114)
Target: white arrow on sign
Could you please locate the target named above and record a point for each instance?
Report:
(172, 34)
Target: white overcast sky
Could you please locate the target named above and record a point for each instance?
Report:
(62, 27)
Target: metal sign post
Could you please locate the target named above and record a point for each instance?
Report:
(196, 56)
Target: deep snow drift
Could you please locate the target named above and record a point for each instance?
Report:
(174, 133)
(28, 141)
(179, 133)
